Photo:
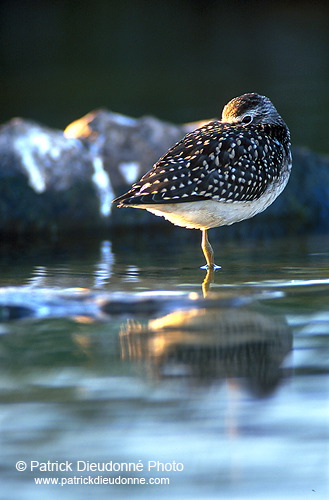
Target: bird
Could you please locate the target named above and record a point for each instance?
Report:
(223, 172)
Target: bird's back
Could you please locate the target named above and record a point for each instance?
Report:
(223, 162)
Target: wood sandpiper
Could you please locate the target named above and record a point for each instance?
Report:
(223, 172)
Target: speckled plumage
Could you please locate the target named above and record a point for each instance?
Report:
(222, 172)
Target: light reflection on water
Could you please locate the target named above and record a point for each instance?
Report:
(239, 395)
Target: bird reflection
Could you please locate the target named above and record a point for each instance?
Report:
(206, 345)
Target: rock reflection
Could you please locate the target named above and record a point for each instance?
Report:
(75, 272)
(103, 268)
(207, 345)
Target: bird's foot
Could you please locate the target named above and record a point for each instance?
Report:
(213, 267)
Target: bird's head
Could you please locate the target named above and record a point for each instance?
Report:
(251, 108)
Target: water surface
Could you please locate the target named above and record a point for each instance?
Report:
(237, 394)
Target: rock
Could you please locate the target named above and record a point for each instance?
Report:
(128, 148)
(21, 302)
(45, 180)
(63, 181)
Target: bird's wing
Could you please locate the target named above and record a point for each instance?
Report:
(218, 161)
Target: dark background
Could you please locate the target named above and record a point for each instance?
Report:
(179, 60)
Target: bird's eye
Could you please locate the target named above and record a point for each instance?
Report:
(246, 120)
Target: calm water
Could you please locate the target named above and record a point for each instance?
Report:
(237, 396)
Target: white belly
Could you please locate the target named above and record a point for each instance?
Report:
(206, 214)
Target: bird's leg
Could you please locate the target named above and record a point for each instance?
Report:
(210, 266)
(207, 250)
